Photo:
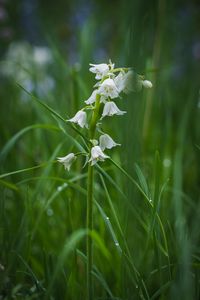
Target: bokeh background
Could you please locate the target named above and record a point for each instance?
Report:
(46, 47)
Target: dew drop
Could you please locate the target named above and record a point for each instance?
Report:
(49, 212)
(59, 188)
(167, 162)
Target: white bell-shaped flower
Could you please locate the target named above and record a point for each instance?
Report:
(119, 81)
(110, 109)
(125, 81)
(108, 89)
(100, 70)
(80, 118)
(97, 155)
(128, 82)
(67, 160)
(147, 84)
(106, 142)
(92, 98)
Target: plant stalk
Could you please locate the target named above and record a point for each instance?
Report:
(90, 185)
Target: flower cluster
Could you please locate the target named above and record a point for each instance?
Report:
(111, 82)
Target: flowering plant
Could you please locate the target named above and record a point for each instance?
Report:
(111, 82)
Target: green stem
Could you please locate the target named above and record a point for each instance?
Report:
(90, 185)
(89, 227)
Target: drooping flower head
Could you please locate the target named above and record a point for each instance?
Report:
(80, 118)
(147, 84)
(106, 142)
(100, 70)
(125, 81)
(97, 155)
(108, 89)
(92, 98)
(110, 109)
(119, 81)
(128, 80)
(67, 160)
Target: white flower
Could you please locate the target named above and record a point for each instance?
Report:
(108, 89)
(128, 82)
(42, 55)
(110, 109)
(125, 81)
(92, 98)
(147, 84)
(67, 160)
(105, 141)
(100, 70)
(80, 118)
(119, 81)
(97, 155)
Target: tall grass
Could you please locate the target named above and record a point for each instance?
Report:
(146, 214)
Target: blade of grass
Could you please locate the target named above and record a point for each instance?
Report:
(10, 144)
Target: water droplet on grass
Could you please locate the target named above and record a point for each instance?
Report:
(49, 212)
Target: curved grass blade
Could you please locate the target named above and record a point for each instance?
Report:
(32, 274)
(52, 111)
(110, 228)
(68, 247)
(142, 180)
(96, 237)
(133, 209)
(127, 255)
(133, 181)
(9, 185)
(97, 274)
(8, 146)
(147, 198)
(27, 169)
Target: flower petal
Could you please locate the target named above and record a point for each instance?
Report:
(106, 142)
(110, 109)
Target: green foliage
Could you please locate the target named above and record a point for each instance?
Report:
(146, 215)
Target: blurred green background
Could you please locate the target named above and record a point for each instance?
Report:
(146, 244)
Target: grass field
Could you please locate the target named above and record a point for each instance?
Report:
(146, 198)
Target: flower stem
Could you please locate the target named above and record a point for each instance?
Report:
(89, 227)
(90, 185)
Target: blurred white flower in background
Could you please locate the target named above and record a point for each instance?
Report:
(28, 65)
(124, 81)
(119, 81)
(128, 80)
(42, 55)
